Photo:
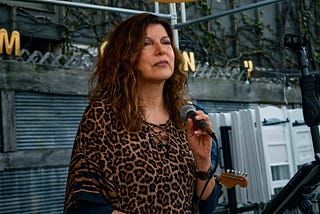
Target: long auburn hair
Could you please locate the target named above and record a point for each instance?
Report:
(116, 77)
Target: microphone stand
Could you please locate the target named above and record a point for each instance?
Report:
(297, 192)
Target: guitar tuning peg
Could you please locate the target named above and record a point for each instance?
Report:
(232, 171)
(228, 171)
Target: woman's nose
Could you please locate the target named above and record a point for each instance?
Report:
(159, 49)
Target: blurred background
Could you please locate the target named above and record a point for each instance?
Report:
(239, 71)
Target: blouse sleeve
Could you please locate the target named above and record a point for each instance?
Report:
(83, 193)
(209, 205)
(87, 190)
(88, 206)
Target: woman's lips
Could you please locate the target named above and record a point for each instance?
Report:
(162, 63)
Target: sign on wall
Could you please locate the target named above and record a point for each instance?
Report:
(8, 44)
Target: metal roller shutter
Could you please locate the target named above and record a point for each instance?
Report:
(43, 121)
(36, 190)
(47, 121)
(1, 138)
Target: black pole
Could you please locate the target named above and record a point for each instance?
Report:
(227, 160)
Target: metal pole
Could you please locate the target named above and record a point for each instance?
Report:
(173, 13)
(229, 12)
(90, 6)
(183, 12)
(156, 7)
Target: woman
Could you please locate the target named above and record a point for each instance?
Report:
(133, 153)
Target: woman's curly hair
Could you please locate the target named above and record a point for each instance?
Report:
(116, 77)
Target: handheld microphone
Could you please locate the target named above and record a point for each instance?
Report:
(188, 111)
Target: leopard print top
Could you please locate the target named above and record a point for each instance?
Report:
(150, 171)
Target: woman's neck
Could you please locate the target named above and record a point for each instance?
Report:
(155, 110)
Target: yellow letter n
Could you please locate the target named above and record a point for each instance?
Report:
(189, 61)
(14, 41)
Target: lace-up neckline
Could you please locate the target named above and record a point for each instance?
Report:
(159, 133)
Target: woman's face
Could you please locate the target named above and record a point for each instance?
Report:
(156, 61)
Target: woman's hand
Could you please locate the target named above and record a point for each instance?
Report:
(200, 142)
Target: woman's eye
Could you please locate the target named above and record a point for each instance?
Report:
(147, 43)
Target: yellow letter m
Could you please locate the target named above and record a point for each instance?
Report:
(14, 41)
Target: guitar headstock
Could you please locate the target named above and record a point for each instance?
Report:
(231, 178)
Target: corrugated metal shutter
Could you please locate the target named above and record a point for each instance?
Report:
(36, 190)
(46, 121)
(1, 138)
(43, 121)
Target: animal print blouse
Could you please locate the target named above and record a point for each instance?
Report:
(150, 171)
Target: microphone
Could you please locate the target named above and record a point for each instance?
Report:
(188, 111)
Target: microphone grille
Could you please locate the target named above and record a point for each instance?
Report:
(185, 109)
